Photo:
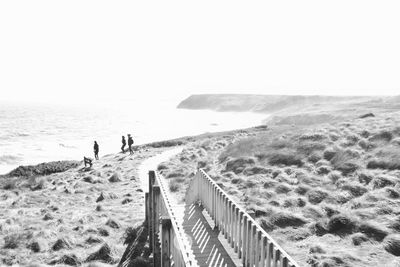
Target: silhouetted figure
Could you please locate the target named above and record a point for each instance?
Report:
(96, 150)
(123, 144)
(130, 143)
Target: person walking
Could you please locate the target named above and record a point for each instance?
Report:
(123, 144)
(96, 150)
(130, 143)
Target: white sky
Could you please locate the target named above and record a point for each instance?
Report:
(69, 49)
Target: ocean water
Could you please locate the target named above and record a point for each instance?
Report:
(35, 133)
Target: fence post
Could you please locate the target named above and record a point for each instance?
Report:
(151, 205)
(156, 217)
(146, 207)
(165, 229)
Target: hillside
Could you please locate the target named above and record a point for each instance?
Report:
(328, 193)
(265, 103)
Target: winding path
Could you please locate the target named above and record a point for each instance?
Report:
(207, 245)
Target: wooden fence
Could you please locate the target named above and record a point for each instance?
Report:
(246, 237)
(166, 238)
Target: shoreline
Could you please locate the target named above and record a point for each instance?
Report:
(52, 217)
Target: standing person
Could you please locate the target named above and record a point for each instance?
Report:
(130, 143)
(96, 150)
(123, 144)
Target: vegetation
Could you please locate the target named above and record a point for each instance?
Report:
(334, 184)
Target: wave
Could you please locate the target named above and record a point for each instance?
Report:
(9, 159)
(66, 146)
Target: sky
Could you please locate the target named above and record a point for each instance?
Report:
(69, 50)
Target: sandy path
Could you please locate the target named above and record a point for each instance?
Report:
(152, 163)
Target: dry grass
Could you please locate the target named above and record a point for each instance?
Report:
(332, 190)
(54, 219)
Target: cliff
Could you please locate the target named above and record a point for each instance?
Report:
(264, 103)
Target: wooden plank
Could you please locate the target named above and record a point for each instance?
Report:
(237, 226)
(244, 245)
(252, 243)
(258, 248)
(156, 203)
(240, 241)
(165, 228)
(263, 250)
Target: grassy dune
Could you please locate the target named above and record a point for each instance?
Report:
(329, 193)
(63, 213)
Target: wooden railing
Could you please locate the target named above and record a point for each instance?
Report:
(166, 238)
(246, 237)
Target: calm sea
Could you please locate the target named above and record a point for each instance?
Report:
(35, 133)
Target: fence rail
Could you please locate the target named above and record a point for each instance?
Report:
(246, 237)
(166, 238)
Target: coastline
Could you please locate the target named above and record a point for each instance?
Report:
(55, 215)
(321, 190)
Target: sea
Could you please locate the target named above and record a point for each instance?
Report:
(32, 133)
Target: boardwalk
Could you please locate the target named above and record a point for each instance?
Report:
(205, 240)
(210, 229)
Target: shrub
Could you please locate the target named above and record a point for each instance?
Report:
(312, 137)
(162, 167)
(283, 189)
(174, 174)
(386, 164)
(352, 139)
(237, 181)
(395, 225)
(317, 249)
(355, 189)
(61, 243)
(130, 235)
(174, 186)
(103, 254)
(266, 225)
(318, 229)
(309, 147)
(330, 211)
(329, 154)
(323, 170)
(358, 239)
(239, 164)
(316, 196)
(284, 157)
(340, 225)
(373, 231)
(11, 241)
(366, 145)
(382, 136)
(334, 176)
(314, 157)
(256, 170)
(312, 212)
(344, 161)
(269, 183)
(250, 183)
(333, 137)
(10, 184)
(382, 181)
(364, 177)
(392, 244)
(392, 193)
(283, 220)
(302, 189)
